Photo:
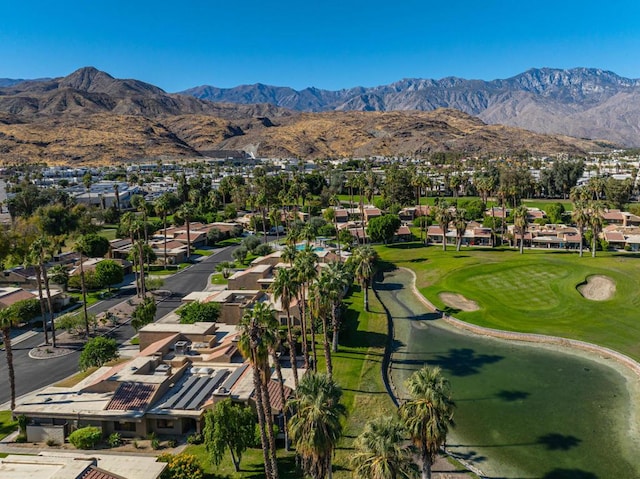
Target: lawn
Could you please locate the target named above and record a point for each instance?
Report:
(109, 232)
(217, 278)
(534, 292)
(7, 424)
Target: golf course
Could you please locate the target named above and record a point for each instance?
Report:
(523, 410)
(536, 292)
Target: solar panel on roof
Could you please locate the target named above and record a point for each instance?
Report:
(207, 390)
(175, 394)
(231, 380)
(195, 389)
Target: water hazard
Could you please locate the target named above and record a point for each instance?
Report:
(523, 411)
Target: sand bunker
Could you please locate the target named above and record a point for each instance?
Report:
(457, 301)
(598, 288)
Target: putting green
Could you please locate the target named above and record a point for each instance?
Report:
(535, 292)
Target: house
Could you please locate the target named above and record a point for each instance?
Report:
(233, 303)
(181, 371)
(20, 276)
(403, 234)
(78, 465)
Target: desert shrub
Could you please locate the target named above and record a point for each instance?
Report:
(52, 442)
(20, 438)
(155, 444)
(114, 440)
(86, 437)
(263, 250)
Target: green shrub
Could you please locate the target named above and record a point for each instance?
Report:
(155, 444)
(20, 438)
(114, 440)
(86, 437)
(172, 443)
(52, 442)
(181, 466)
(195, 438)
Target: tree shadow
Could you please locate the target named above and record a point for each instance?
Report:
(569, 474)
(470, 456)
(511, 396)
(384, 267)
(559, 442)
(463, 361)
(410, 245)
(418, 260)
(388, 286)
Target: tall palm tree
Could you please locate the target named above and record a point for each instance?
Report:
(265, 317)
(579, 215)
(162, 206)
(305, 271)
(252, 344)
(7, 321)
(44, 245)
(315, 426)
(318, 309)
(363, 259)
(460, 224)
(334, 281)
(595, 224)
(520, 223)
(443, 218)
(380, 453)
(285, 288)
(9, 317)
(186, 211)
(428, 414)
(83, 248)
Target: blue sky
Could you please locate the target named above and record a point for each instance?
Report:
(329, 44)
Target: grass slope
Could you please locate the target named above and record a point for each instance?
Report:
(535, 292)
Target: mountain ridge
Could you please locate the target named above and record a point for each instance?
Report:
(90, 116)
(579, 96)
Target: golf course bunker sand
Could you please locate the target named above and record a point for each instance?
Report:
(598, 288)
(457, 301)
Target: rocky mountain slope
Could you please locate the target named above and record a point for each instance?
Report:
(588, 103)
(90, 116)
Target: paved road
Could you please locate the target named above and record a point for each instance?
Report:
(34, 374)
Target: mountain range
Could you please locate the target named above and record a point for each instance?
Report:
(90, 116)
(580, 102)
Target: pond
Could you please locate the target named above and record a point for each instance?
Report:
(523, 410)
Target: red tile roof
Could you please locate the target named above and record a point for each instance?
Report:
(274, 395)
(14, 297)
(131, 396)
(96, 473)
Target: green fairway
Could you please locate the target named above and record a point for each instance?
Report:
(535, 292)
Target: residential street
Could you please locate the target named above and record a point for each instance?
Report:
(32, 374)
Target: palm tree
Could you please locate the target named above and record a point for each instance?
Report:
(334, 281)
(460, 224)
(285, 287)
(315, 426)
(186, 212)
(305, 271)
(579, 214)
(253, 347)
(443, 217)
(380, 453)
(266, 319)
(520, 215)
(162, 206)
(428, 414)
(595, 223)
(43, 244)
(7, 321)
(83, 248)
(363, 259)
